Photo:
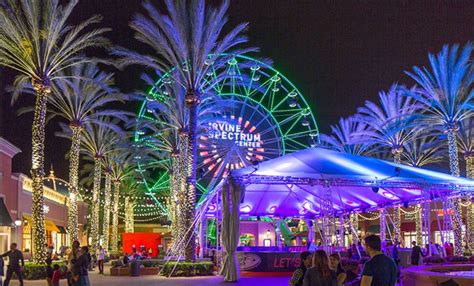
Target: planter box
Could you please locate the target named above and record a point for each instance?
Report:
(149, 271)
(119, 271)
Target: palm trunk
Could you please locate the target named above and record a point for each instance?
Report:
(106, 222)
(397, 219)
(115, 217)
(397, 155)
(383, 225)
(354, 221)
(180, 191)
(72, 217)
(469, 157)
(192, 99)
(456, 217)
(37, 173)
(173, 203)
(397, 159)
(418, 225)
(129, 215)
(96, 203)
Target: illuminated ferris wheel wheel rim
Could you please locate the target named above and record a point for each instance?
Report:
(263, 70)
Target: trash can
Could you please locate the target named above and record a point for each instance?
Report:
(135, 268)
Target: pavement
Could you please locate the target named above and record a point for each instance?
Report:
(149, 280)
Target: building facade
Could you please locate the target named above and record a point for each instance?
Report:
(15, 207)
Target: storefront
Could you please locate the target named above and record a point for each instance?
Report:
(15, 207)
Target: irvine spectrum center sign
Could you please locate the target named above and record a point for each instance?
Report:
(222, 130)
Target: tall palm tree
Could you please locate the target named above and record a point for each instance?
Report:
(188, 36)
(38, 43)
(96, 144)
(344, 137)
(466, 146)
(391, 122)
(78, 98)
(166, 124)
(121, 168)
(445, 93)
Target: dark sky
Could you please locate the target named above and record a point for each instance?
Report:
(338, 53)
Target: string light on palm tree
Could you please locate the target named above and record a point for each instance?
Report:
(97, 142)
(38, 42)
(445, 93)
(466, 146)
(174, 37)
(77, 97)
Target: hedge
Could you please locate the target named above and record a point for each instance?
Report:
(145, 262)
(38, 271)
(188, 269)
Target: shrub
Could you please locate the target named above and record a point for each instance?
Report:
(188, 269)
(434, 259)
(38, 271)
(116, 263)
(115, 254)
(149, 263)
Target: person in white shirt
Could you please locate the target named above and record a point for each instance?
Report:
(100, 254)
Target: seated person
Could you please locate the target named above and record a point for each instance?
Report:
(125, 259)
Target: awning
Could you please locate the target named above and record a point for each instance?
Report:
(49, 224)
(5, 219)
(61, 229)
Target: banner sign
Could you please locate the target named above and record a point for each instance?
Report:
(268, 261)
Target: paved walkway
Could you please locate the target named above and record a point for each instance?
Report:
(106, 280)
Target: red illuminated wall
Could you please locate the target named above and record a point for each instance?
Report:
(150, 240)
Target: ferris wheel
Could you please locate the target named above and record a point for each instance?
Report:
(264, 116)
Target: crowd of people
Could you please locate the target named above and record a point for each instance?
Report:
(319, 269)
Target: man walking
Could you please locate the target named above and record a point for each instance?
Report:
(415, 254)
(14, 258)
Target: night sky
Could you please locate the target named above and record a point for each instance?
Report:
(338, 53)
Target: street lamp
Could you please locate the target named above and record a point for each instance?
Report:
(18, 222)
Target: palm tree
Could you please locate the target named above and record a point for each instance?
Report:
(97, 142)
(424, 150)
(345, 138)
(121, 167)
(189, 36)
(466, 144)
(78, 98)
(166, 124)
(38, 43)
(445, 93)
(391, 123)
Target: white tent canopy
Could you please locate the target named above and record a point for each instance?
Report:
(304, 182)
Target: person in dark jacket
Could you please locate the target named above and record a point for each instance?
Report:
(415, 254)
(81, 267)
(49, 271)
(320, 274)
(14, 257)
(298, 275)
